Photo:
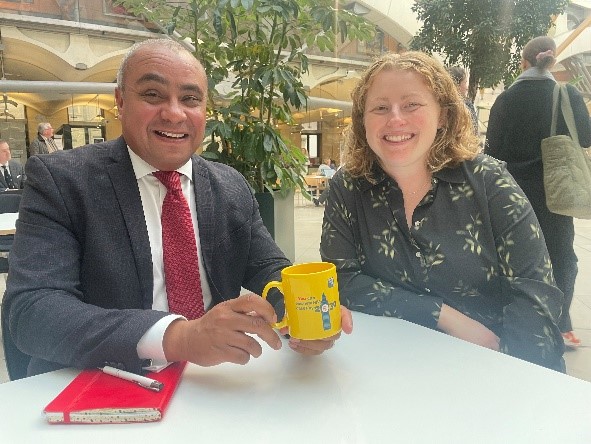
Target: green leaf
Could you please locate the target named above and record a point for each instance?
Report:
(217, 24)
(486, 36)
(247, 4)
(243, 43)
(210, 155)
(268, 143)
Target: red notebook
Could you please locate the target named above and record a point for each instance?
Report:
(95, 397)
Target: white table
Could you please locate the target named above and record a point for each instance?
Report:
(8, 222)
(318, 183)
(389, 382)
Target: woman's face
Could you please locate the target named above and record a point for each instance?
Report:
(401, 120)
(463, 87)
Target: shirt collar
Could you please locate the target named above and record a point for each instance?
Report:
(450, 174)
(141, 168)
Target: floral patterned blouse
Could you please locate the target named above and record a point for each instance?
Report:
(474, 244)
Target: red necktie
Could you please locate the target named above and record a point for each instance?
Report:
(181, 263)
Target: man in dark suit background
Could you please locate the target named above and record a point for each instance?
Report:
(11, 171)
(86, 283)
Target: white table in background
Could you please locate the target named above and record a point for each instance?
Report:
(317, 183)
(389, 382)
(7, 223)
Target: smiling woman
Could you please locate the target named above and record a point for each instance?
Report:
(423, 228)
(401, 120)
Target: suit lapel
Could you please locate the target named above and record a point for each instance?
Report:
(206, 218)
(127, 192)
(3, 183)
(16, 172)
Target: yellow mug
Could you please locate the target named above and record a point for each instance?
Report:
(311, 294)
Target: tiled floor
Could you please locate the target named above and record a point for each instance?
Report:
(308, 226)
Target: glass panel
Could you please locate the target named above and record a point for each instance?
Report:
(14, 132)
(94, 134)
(313, 145)
(82, 113)
(11, 109)
(78, 137)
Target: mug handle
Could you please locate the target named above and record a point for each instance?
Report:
(276, 284)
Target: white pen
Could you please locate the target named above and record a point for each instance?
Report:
(150, 384)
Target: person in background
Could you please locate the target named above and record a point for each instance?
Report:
(306, 155)
(460, 78)
(44, 143)
(519, 119)
(133, 252)
(12, 176)
(324, 170)
(424, 228)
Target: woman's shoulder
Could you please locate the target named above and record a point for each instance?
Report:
(529, 89)
(572, 90)
(484, 166)
(485, 162)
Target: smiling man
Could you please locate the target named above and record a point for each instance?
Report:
(136, 249)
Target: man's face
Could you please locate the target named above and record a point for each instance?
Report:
(463, 87)
(4, 153)
(48, 132)
(162, 106)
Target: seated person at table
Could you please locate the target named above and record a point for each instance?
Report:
(324, 170)
(12, 176)
(95, 273)
(423, 228)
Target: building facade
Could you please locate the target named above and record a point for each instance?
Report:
(59, 58)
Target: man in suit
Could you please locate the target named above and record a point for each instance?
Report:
(44, 143)
(12, 175)
(87, 282)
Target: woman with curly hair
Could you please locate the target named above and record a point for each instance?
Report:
(424, 228)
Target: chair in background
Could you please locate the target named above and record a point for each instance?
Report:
(315, 184)
(5, 246)
(301, 199)
(17, 362)
(10, 201)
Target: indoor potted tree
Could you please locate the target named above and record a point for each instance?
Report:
(254, 52)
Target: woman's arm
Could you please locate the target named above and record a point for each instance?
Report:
(530, 318)
(581, 114)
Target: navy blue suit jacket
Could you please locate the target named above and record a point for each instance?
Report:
(79, 290)
(17, 173)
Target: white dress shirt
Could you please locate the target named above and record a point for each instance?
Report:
(2, 167)
(51, 145)
(152, 193)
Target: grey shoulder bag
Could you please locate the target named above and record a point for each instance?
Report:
(567, 168)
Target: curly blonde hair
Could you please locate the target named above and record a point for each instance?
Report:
(454, 142)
